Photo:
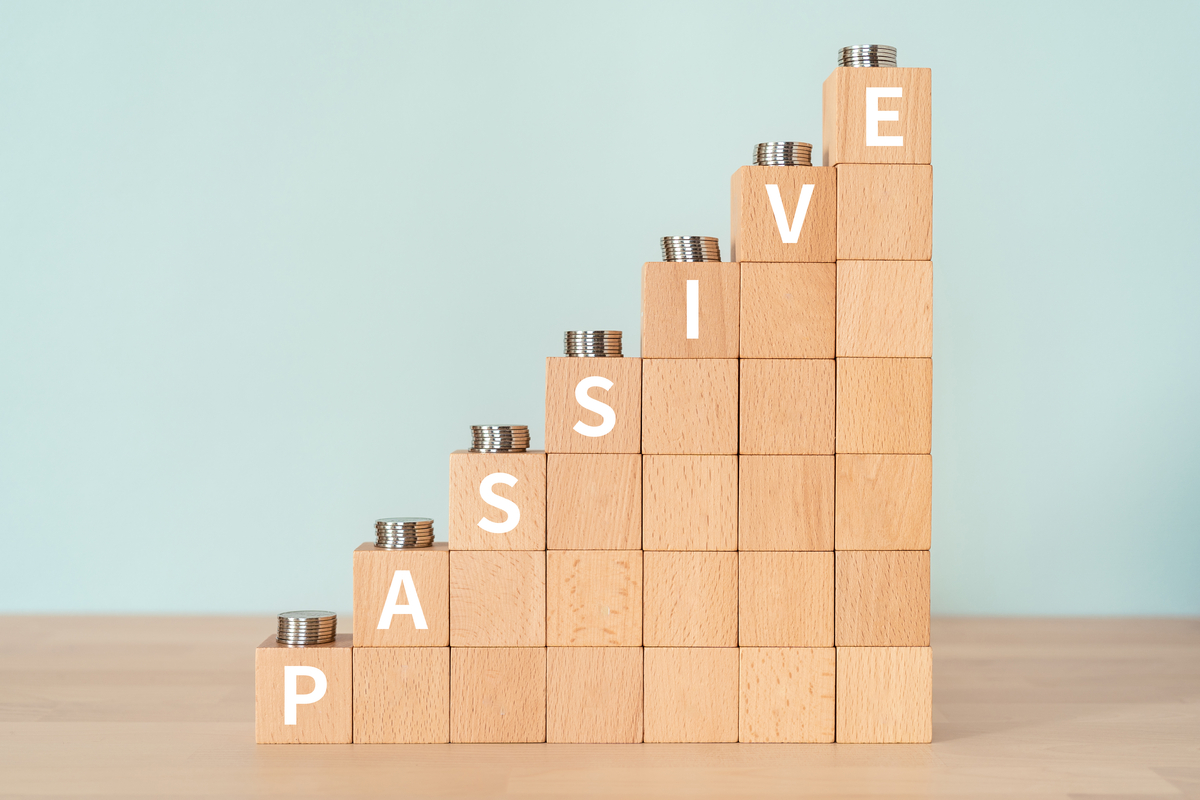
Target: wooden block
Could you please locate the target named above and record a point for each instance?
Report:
(690, 502)
(303, 695)
(884, 694)
(787, 406)
(402, 597)
(787, 694)
(497, 694)
(497, 501)
(594, 598)
(497, 598)
(594, 694)
(885, 212)
(594, 502)
(778, 224)
(610, 422)
(788, 310)
(785, 502)
(885, 309)
(882, 598)
(690, 599)
(884, 405)
(401, 695)
(676, 324)
(785, 599)
(884, 502)
(851, 118)
(690, 406)
(691, 694)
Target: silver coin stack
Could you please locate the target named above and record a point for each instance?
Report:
(783, 154)
(691, 248)
(592, 344)
(403, 533)
(499, 438)
(301, 628)
(867, 55)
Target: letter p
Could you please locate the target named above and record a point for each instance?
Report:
(291, 699)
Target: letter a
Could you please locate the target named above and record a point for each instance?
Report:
(790, 233)
(402, 578)
(608, 417)
(291, 699)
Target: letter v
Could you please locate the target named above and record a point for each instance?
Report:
(790, 233)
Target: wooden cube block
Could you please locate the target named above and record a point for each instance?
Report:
(787, 406)
(785, 599)
(785, 502)
(690, 310)
(882, 598)
(884, 694)
(594, 598)
(690, 406)
(884, 502)
(401, 695)
(884, 405)
(885, 212)
(497, 694)
(690, 502)
(691, 694)
(497, 501)
(593, 502)
(402, 597)
(787, 694)
(876, 115)
(783, 214)
(885, 309)
(788, 310)
(497, 598)
(593, 405)
(594, 694)
(303, 695)
(690, 599)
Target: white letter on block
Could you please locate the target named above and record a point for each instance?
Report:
(502, 503)
(607, 415)
(291, 699)
(790, 233)
(693, 309)
(875, 116)
(402, 578)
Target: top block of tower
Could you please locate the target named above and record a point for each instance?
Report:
(783, 214)
(876, 115)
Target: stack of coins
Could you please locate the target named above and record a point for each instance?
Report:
(403, 533)
(499, 438)
(690, 248)
(593, 344)
(783, 154)
(867, 55)
(300, 628)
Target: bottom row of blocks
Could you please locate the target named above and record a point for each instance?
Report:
(378, 695)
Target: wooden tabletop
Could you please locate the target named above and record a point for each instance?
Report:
(163, 707)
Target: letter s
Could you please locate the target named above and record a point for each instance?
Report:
(607, 415)
(502, 503)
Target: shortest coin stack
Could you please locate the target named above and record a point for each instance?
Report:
(499, 438)
(593, 344)
(691, 248)
(783, 154)
(403, 533)
(867, 55)
(300, 628)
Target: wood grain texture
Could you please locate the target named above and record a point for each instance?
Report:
(883, 502)
(593, 502)
(594, 694)
(664, 310)
(885, 212)
(691, 694)
(787, 406)
(497, 598)
(594, 598)
(563, 411)
(785, 599)
(884, 694)
(885, 309)
(374, 570)
(468, 508)
(401, 695)
(785, 502)
(689, 599)
(787, 694)
(788, 310)
(844, 116)
(754, 231)
(690, 406)
(329, 720)
(882, 598)
(690, 502)
(497, 694)
(884, 405)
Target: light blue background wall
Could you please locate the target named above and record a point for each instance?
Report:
(262, 264)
